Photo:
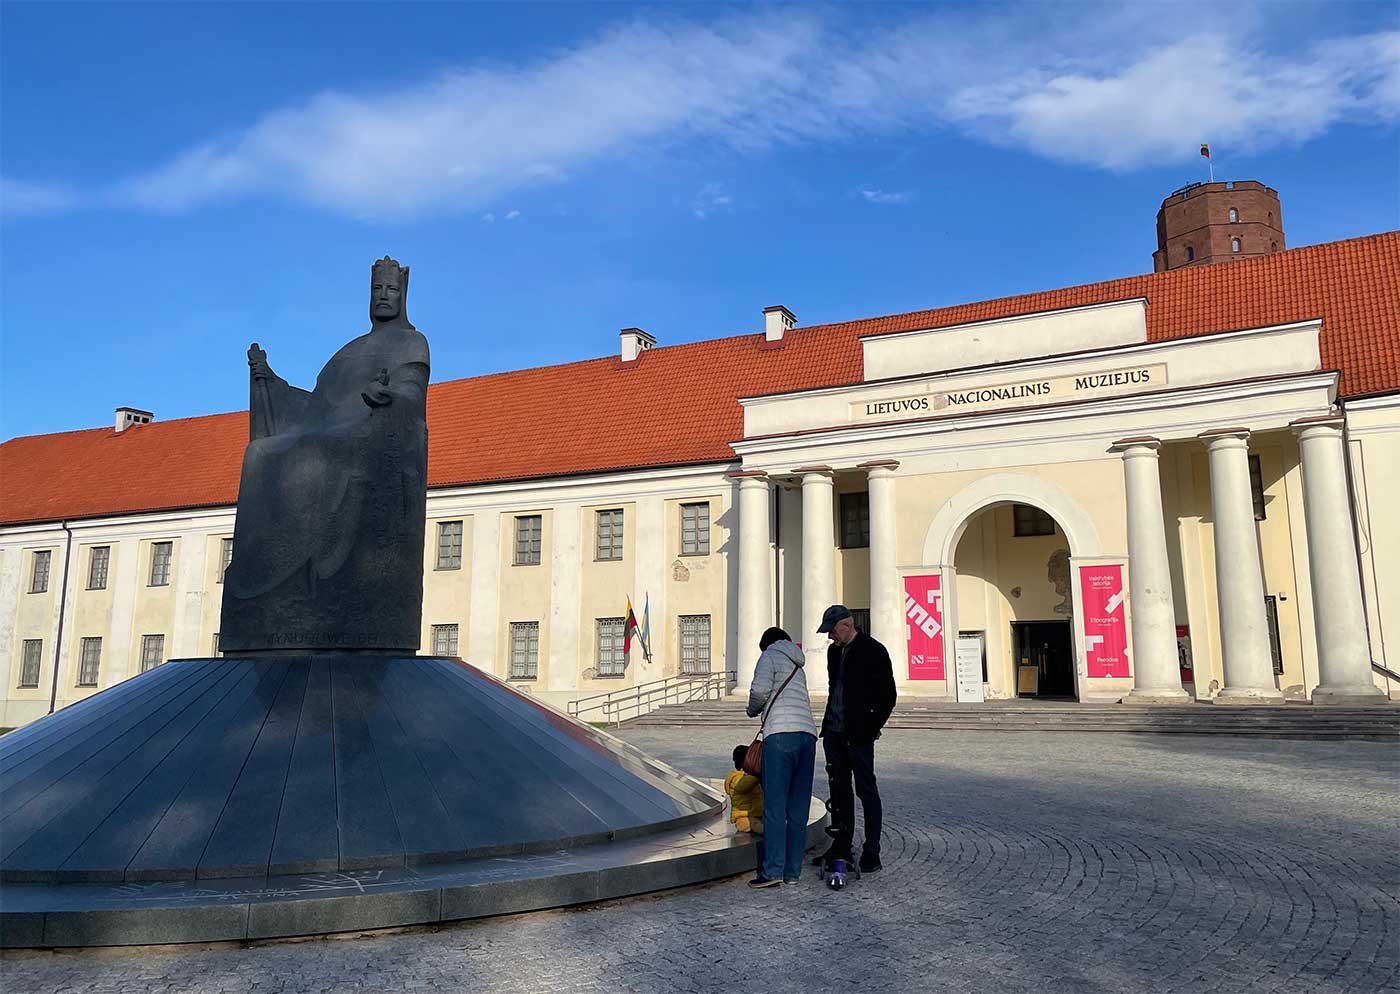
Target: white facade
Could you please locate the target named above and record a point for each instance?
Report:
(1241, 505)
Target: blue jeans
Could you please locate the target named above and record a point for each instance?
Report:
(788, 761)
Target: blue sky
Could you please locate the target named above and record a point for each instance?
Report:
(178, 180)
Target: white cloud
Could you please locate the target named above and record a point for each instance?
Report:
(488, 218)
(1110, 87)
(711, 199)
(512, 215)
(19, 198)
(878, 196)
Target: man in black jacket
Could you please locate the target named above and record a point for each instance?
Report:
(861, 697)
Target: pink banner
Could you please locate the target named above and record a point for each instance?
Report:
(1105, 634)
(923, 625)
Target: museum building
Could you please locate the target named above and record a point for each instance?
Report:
(1168, 487)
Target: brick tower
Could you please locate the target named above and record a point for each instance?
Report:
(1218, 222)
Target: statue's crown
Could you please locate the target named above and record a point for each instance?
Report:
(387, 267)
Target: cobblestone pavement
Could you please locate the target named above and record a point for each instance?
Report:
(1013, 862)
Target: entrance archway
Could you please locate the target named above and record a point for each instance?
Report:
(1077, 536)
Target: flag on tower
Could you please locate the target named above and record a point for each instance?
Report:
(1205, 150)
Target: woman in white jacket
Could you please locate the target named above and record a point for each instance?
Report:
(789, 754)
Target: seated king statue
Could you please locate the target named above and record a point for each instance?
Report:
(328, 541)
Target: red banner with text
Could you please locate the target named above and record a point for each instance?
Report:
(923, 626)
(1105, 633)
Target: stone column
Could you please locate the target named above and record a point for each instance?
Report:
(1239, 580)
(818, 568)
(1343, 650)
(755, 576)
(886, 618)
(1156, 669)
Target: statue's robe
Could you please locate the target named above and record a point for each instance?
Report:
(328, 542)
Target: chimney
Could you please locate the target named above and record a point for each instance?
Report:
(777, 321)
(128, 416)
(635, 341)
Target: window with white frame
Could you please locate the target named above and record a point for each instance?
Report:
(29, 662)
(160, 563)
(524, 650)
(1234, 216)
(612, 637)
(609, 527)
(39, 572)
(225, 556)
(152, 651)
(449, 545)
(89, 661)
(528, 528)
(695, 643)
(444, 640)
(695, 529)
(99, 559)
(1234, 244)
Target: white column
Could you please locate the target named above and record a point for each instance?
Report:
(1156, 668)
(1239, 580)
(1344, 652)
(886, 616)
(755, 607)
(818, 567)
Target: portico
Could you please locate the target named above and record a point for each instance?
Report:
(1195, 489)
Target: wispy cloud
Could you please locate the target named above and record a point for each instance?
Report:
(19, 198)
(1100, 87)
(512, 215)
(710, 199)
(878, 196)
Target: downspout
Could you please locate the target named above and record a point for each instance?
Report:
(62, 606)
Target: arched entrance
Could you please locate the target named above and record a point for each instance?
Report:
(1018, 582)
(1013, 592)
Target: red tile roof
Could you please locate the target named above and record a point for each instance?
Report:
(678, 405)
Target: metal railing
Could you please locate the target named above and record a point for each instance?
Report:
(617, 706)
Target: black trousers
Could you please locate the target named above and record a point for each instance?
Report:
(846, 761)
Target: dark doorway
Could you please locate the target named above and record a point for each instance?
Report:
(1044, 653)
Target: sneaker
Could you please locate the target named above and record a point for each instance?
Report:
(761, 882)
(869, 863)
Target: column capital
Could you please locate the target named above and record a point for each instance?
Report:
(747, 474)
(806, 471)
(1328, 423)
(875, 465)
(1223, 436)
(1145, 443)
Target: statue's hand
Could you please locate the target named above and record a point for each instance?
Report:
(257, 363)
(377, 393)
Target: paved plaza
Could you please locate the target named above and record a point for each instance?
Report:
(1014, 861)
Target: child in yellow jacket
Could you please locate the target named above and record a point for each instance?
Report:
(745, 796)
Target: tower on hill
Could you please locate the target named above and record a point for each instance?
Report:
(1204, 223)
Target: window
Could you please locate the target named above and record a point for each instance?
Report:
(29, 665)
(1032, 521)
(855, 521)
(214, 649)
(527, 540)
(524, 649)
(444, 640)
(695, 643)
(39, 577)
(1234, 216)
(88, 661)
(1256, 487)
(695, 529)
(1234, 244)
(449, 553)
(861, 616)
(152, 651)
(1190, 254)
(610, 534)
(98, 560)
(1273, 246)
(1271, 621)
(612, 660)
(160, 563)
(225, 556)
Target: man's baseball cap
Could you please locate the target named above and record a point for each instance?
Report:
(831, 616)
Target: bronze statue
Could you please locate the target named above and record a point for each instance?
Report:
(328, 543)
